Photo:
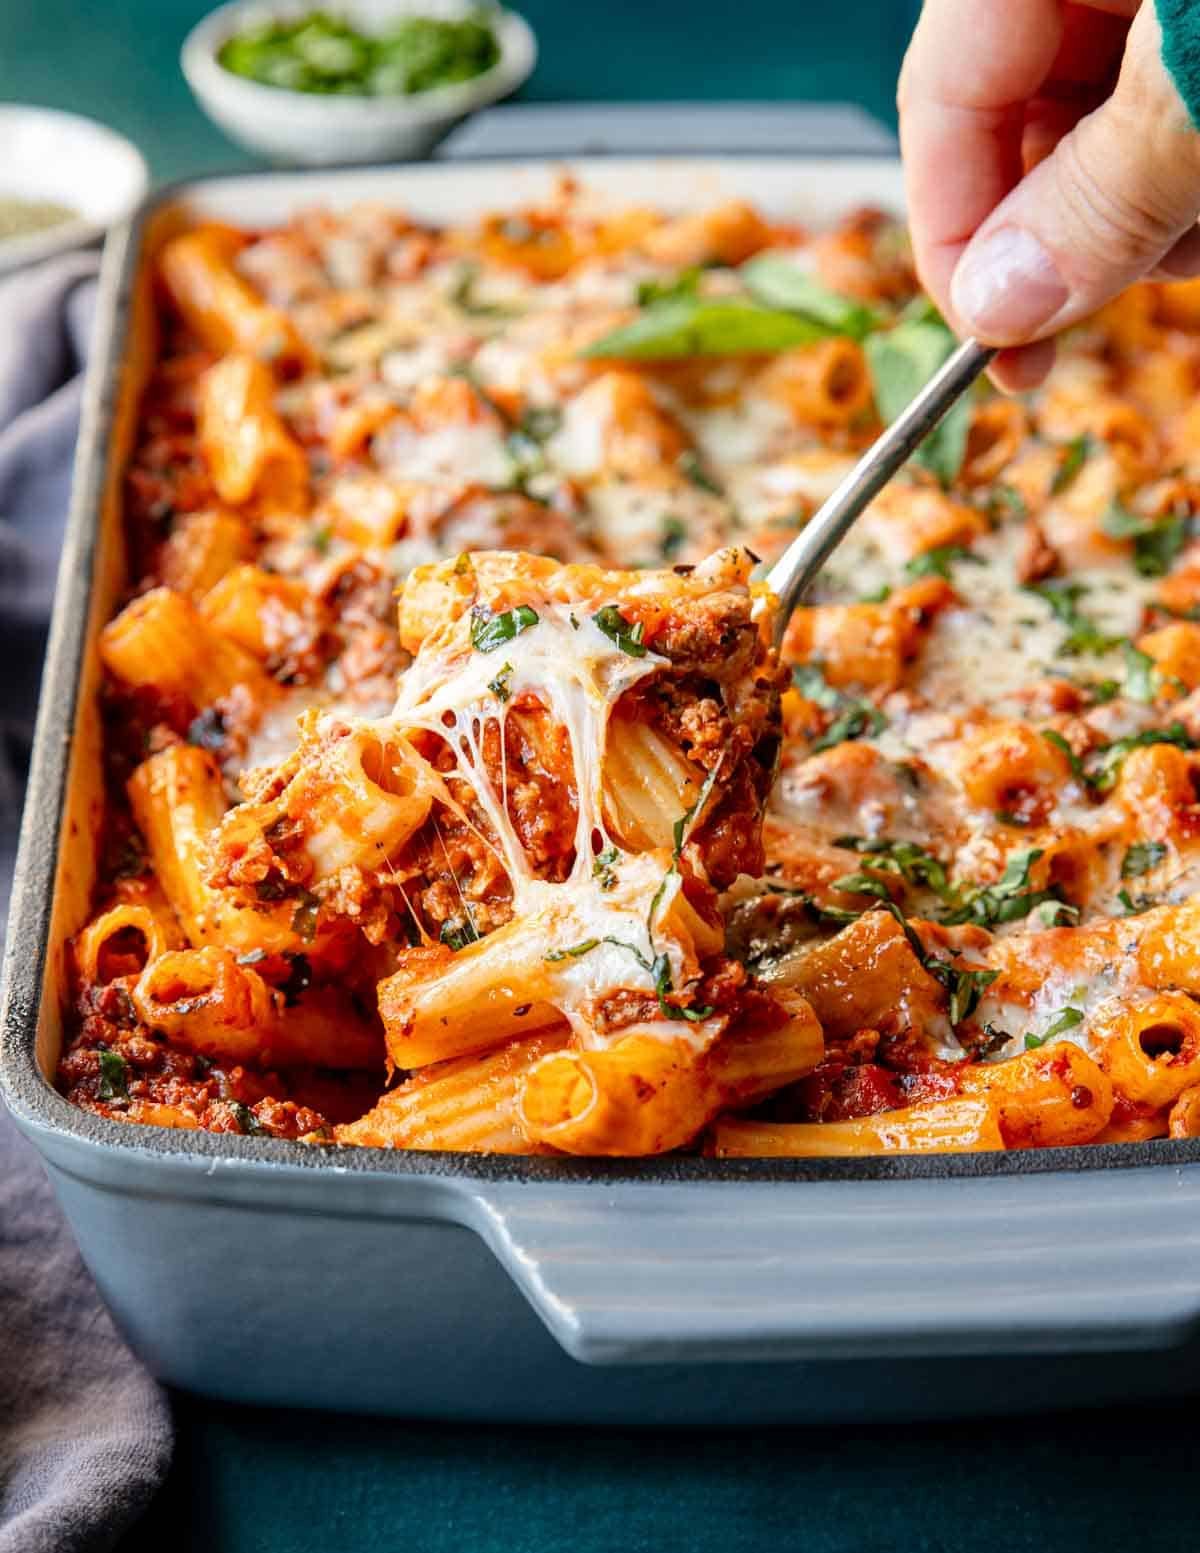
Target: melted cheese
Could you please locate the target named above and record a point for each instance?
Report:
(579, 674)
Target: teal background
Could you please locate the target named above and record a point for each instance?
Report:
(117, 60)
(260, 1481)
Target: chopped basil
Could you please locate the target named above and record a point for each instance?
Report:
(936, 562)
(673, 289)
(1052, 736)
(500, 686)
(1007, 500)
(678, 327)
(1055, 914)
(1066, 1020)
(458, 932)
(966, 987)
(661, 971)
(1142, 858)
(690, 817)
(248, 1123)
(859, 721)
(1103, 765)
(862, 884)
(575, 950)
(1142, 679)
(1008, 900)
(626, 635)
(692, 468)
(114, 1073)
(490, 631)
(540, 422)
(1075, 454)
(671, 537)
(462, 295)
(914, 865)
(1083, 635)
(602, 867)
(299, 979)
(855, 719)
(1156, 542)
(779, 282)
(902, 361)
(304, 918)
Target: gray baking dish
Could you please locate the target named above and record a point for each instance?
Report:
(673, 1290)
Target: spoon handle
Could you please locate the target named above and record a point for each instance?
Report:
(803, 559)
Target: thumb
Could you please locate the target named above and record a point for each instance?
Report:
(1097, 214)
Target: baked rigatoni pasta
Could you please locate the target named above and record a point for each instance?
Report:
(457, 796)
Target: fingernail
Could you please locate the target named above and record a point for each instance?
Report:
(1007, 286)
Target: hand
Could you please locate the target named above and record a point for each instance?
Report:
(1049, 162)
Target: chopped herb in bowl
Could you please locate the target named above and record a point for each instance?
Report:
(323, 54)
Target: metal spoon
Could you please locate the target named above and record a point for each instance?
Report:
(799, 564)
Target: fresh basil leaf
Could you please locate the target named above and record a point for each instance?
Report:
(671, 536)
(705, 326)
(1142, 858)
(573, 952)
(248, 1123)
(902, 361)
(779, 282)
(627, 636)
(936, 562)
(457, 933)
(1083, 634)
(602, 868)
(304, 917)
(1055, 914)
(808, 679)
(490, 631)
(1006, 500)
(673, 289)
(1157, 542)
(1066, 1020)
(1141, 676)
(1075, 455)
(1156, 551)
(501, 687)
(663, 987)
(855, 718)
(858, 721)
(691, 817)
(692, 468)
(1052, 736)
(862, 884)
(914, 865)
(1103, 765)
(1008, 900)
(114, 1075)
(540, 422)
(462, 295)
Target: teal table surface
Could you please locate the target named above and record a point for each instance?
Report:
(274, 1482)
(118, 60)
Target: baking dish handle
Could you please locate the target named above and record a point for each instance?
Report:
(1069, 1261)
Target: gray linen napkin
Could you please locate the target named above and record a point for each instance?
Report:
(85, 1434)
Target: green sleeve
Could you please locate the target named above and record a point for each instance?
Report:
(1179, 21)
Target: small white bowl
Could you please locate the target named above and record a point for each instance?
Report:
(316, 130)
(47, 155)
